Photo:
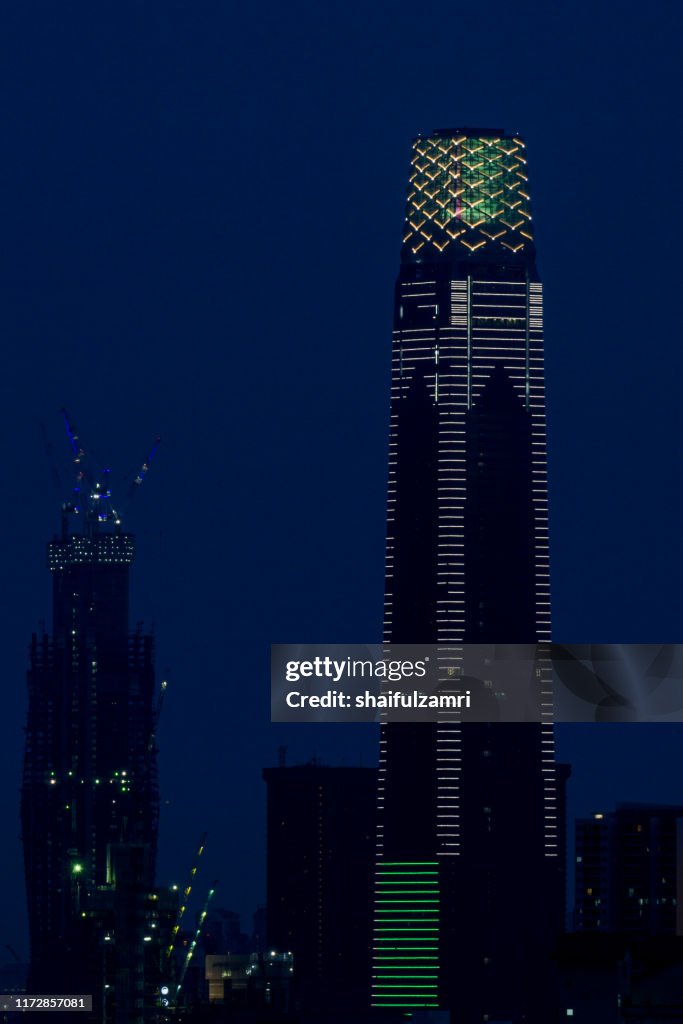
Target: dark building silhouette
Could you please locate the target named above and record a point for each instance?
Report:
(629, 871)
(621, 979)
(624, 962)
(223, 933)
(259, 930)
(321, 836)
(89, 802)
(470, 856)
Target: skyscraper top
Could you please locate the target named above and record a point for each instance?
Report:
(468, 197)
(472, 132)
(91, 526)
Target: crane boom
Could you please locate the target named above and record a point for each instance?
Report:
(75, 505)
(144, 468)
(185, 896)
(193, 944)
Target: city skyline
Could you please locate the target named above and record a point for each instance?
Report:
(141, 293)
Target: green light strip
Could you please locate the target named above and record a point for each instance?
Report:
(411, 1003)
(427, 974)
(426, 890)
(410, 874)
(407, 988)
(408, 880)
(391, 944)
(408, 883)
(407, 922)
(416, 922)
(408, 864)
(381, 870)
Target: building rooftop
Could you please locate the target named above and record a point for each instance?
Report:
(472, 131)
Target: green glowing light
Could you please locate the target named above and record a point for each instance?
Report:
(409, 864)
(398, 874)
(406, 1003)
(467, 191)
(406, 932)
(391, 944)
(405, 987)
(420, 922)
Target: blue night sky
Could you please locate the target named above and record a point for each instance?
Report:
(201, 218)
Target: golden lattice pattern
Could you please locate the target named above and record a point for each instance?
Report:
(467, 192)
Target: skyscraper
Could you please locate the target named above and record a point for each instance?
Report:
(89, 804)
(469, 889)
(628, 875)
(321, 826)
(624, 960)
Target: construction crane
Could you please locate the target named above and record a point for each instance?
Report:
(185, 896)
(79, 455)
(78, 451)
(144, 468)
(89, 496)
(193, 944)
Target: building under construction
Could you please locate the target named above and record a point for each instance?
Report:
(90, 803)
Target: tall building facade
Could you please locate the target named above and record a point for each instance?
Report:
(629, 871)
(470, 871)
(321, 836)
(89, 802)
